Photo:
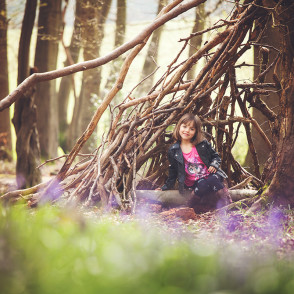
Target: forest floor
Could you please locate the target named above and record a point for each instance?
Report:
(7, 176)
(269, 229)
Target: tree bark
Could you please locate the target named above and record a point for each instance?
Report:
(270, 38)
(25, 117)
(120, 31)
(5, 129)
(92, 32)
(196, 41)
(49, 26)
(67, 84)
(150, 63)
(121, 20)
(281, 188)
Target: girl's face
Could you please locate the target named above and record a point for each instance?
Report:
(187, 131)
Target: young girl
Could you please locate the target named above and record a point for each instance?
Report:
(194, 163)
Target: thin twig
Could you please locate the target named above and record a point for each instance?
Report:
(62, 156)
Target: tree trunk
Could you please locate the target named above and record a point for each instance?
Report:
(25, 118)
(281, 188)
(271, 38)
(49, 25)
(67, 84)
(5, 129)
(196, 41)
(152, 54)
(92, 32)
(120, 31)
(115, 66)
(121, 19)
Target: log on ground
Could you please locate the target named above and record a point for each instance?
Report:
(173, 197)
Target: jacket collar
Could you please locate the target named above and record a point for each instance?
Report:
(177, 145)
(178, 155)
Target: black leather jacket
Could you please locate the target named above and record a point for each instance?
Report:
(177, 167)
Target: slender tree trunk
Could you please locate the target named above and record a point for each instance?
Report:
(5, 129)
(152, 54)
(49, 25)
(115, 66)
(120, 31)
(121, 19)
(67, 84)
(196, 41)
(92, 32)
(25, 117)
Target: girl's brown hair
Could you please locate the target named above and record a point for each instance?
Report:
(185, 119)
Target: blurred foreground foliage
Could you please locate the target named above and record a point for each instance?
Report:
(50, 250)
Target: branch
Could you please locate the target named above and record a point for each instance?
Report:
(82, 66)
(59, 157)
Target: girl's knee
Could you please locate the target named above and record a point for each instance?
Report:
(202, 187)
(214, 179)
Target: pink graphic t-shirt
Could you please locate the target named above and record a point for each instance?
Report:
(194, 167)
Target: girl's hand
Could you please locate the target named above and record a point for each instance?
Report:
(158, 189)
(212, 169)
